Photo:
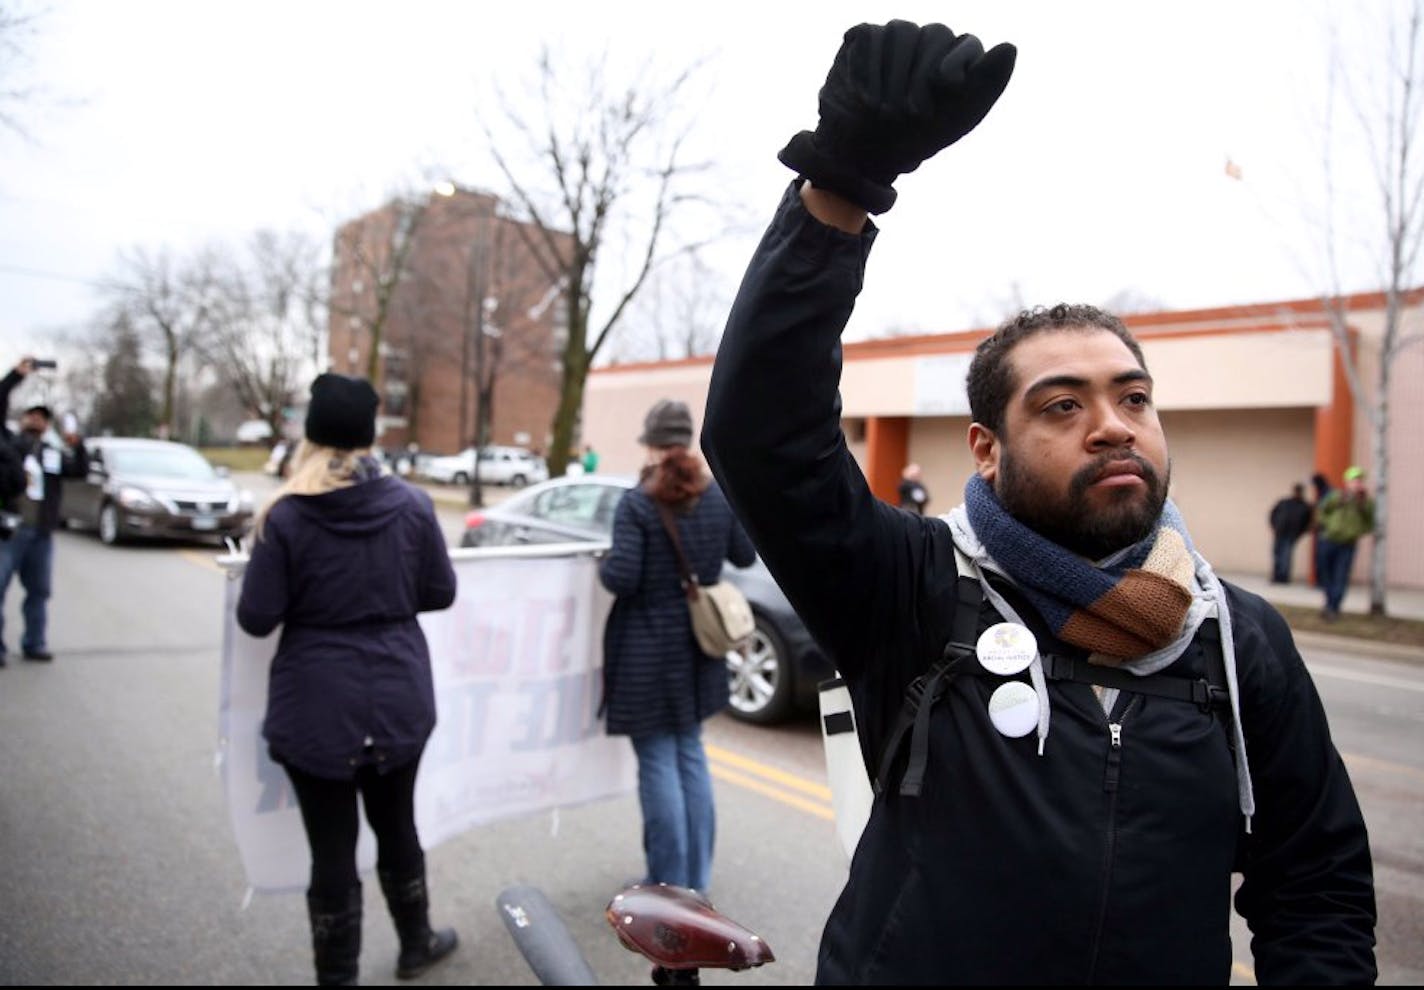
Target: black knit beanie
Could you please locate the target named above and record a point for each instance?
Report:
(342, 413)
(668, 424)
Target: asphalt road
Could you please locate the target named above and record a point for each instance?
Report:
(119, 865)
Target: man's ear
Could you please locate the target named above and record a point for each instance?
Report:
(984, 445)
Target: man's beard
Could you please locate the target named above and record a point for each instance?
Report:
(1069, 520)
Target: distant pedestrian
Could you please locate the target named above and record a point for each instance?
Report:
(913, 493)
(1322, 487)
(346, 556)
(1345, 515)
(32, 486)
(1290, 519)
(590, 460)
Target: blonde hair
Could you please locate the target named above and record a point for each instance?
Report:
(315, 470)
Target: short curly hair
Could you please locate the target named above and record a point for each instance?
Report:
(990, 379)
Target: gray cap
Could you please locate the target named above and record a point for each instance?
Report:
(668, 424)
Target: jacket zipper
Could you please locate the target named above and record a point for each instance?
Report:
(1111, 775)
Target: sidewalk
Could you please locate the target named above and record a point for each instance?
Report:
(1401, 603)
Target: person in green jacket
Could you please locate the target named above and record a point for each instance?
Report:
(1343, 516)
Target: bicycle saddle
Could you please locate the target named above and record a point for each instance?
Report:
(679, 929)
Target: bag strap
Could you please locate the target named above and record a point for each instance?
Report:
(689, 581)
(960, 657)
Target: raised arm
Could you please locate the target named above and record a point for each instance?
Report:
(895, 95)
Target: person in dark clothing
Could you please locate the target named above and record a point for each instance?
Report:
(1098, 731)
(1321, 487)
(659, 687)
(1343, 518)
(1290, 519)
(29, 550)
(912, 492)
(346, 557)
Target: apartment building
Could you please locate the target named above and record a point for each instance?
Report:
(446, 290)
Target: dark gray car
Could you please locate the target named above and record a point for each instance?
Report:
(138, 487)
(775, 678)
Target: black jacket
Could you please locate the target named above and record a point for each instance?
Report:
(29, 454)
(1090, 863)
(345, 574)
(1291, 517)
(656, 677)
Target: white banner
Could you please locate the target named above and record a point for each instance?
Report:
(518, 667)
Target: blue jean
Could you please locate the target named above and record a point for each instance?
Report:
(679, 821)
(29, 552)
(1282, 550)
(1336, 559)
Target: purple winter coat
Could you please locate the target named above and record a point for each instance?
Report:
(345, 573)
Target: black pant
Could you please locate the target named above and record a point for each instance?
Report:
(333, 825)
(1282, 550)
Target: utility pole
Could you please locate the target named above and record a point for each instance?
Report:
(481, 296)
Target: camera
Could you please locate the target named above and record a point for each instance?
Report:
(41, 364)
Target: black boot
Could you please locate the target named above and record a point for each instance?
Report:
(336, 938)
(421, 946)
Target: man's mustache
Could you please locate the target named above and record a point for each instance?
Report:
(1091, 472)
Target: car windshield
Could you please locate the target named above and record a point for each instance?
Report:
(156, 462)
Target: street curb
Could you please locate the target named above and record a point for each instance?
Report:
(1363, 647)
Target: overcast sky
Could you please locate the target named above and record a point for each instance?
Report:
(1102, 169)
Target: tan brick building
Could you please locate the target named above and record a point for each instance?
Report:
(1253, 398)
(449, 287)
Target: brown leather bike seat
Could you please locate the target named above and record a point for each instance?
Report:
(678, 928)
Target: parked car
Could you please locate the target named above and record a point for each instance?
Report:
(774, 679)
(155, 488)
(515, 466)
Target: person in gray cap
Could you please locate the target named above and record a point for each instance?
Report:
(658, 685)
(346, 557)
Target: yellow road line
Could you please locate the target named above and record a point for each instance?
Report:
(202, 560)
(769, 773)
(775, 793)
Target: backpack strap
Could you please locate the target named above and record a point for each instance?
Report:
(960, 657)
(926, 689)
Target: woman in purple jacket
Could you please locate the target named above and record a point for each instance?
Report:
(346, 556)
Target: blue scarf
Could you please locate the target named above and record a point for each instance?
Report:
(1131, 604)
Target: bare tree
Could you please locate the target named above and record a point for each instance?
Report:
(609, 157)
(267, 312)
(170, 303)
(679, 313)
(372, 257)
(1383, 100)
(16, 31)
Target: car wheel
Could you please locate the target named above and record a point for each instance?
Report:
(109, 530)
(759, 677)
(519, 481)
(461, 478)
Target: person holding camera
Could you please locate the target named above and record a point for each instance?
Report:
(45, 461)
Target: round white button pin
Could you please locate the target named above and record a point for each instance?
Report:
(1013, 708)
(1006, 648)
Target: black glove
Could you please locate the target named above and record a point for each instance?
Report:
(896, 94)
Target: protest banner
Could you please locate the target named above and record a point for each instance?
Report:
(518, 667)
